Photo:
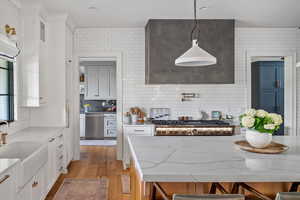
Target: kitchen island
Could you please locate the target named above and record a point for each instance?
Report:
(195, 165)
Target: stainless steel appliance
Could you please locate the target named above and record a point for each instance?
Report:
(193, 128)
(94, 127)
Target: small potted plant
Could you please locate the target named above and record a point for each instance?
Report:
(260, 125)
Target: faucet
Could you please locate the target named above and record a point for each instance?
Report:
(4, 134)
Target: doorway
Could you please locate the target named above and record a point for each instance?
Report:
(103, 56)
(267, 86)
(98, 102)
(290, 58)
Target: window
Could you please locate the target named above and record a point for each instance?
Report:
(6, 90)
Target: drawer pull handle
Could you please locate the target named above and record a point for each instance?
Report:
(52, 139)
(136, 130)
(61, 157)
(4, 179)
(60, 146)
(35, 184)
(61, 135)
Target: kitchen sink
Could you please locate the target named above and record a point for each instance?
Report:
(33, 156)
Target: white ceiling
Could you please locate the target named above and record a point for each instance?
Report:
(135, 13)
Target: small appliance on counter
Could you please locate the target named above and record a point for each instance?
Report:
(160, 113)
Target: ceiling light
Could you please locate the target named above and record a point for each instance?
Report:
(196, 56)
(298, 64)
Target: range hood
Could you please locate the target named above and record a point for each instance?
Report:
(167, 39)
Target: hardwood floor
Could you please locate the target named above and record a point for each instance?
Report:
(97, 161)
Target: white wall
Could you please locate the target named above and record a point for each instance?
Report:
(10, 14)
(227, 98)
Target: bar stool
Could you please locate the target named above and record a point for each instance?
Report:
(209, 197)
(288, 196)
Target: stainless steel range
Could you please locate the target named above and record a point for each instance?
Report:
(193, 128)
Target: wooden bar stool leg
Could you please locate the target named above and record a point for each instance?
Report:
(254, 191)
(217, 186)
(213, 188)
(153, 193)
(235, 188)
(161, 191)
(294, 187)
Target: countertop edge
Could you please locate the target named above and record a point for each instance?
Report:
(134, 157)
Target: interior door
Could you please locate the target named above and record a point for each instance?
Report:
(268, 87)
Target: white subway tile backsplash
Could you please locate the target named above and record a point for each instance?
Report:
(230, 98)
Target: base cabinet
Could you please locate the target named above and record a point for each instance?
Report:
(51, 169)
(36, 188)
(8, 184)
(56, 159)
(38, 185)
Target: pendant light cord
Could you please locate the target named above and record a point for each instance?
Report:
(195, 21)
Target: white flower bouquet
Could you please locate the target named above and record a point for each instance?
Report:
(261, 121)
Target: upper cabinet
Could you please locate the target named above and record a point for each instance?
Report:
(34, 56)
(167, 39)
(100, 83)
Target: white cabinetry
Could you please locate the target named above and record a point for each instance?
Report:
(68, 147)
(38, 185)
(56, 159)
(92, 86)
(100, 83)
(51, 169)
(82, 125)
(113, 84)
(8, 184)
(110, 125)
(34, 57)
(36, 188)
(142, 130)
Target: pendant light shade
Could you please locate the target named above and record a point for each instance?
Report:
(195, 57)
(298, 64)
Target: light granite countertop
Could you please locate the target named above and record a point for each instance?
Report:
(212, 159)
(39, 134)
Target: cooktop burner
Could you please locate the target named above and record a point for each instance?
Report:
(190, 122)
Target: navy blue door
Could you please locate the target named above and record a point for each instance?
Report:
(268, 87)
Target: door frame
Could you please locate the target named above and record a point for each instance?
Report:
(289, 83)
(103, 56)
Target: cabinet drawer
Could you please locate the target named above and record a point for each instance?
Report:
(139, 130)
(60, 150)
(7, 188)
(110, 123)
(110, 133)
(60, 138)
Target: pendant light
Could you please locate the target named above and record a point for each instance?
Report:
(298, 64)
(195, 56)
